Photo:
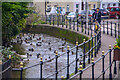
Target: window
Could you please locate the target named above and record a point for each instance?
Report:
(109, 5)
(77, 5)
(114, 4)
(103, 5)
(67, 8)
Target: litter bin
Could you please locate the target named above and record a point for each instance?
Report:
(116, 56)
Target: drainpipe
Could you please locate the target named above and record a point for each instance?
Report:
(86, 8)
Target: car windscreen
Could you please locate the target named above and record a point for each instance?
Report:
(71, 14)
(83, 12)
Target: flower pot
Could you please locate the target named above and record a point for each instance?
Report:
(116, 56)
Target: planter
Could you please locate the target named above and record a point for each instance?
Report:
(116, 56)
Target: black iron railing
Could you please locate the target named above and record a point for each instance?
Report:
(90, 47)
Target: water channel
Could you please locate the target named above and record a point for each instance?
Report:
(45, 46)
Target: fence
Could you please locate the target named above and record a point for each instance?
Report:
(6, 69)
(90, 48)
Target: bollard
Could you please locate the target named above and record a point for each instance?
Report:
(110, 70)
(89, 52)
(80, 72)
(107, 28)
(92, 68)
(115, 29)
(76, 68)
(41, 63)
(56, 72)
(84, 53)
(82, 25)
(21, 67)
(68, 62)
(103, 76)
(111, 28)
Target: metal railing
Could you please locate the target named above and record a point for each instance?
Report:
(90, 48)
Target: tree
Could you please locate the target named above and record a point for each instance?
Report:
(14, 16)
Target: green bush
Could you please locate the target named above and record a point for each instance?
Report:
(19, 49)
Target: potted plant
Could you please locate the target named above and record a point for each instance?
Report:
(117, 49)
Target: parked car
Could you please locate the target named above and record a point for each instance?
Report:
(104, 11)
(72, 15)
(114, 12)
(82, 16)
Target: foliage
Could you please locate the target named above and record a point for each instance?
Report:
(14, 16)
(6, 52)
(117, 45)
(20, 50)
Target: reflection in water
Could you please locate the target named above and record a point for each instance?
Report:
(41, 45)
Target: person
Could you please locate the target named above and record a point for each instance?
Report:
(97, 19)
(97, 16)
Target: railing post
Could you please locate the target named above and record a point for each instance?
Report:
(57, 21)
(110, 71)
(118, 30)
(21, 67)
(62, 21)
(46, 19)
(89, 52)
(92, 47)
(70, 23)
(91, 29)
(80, 72)
(68, 62)
(53, 20)
(66, 21)
(88, 29)
(77, 24)
(84, 54)
(95, 45)
(74, 24)
(10, 59)
(103, 27)
(41, 63)
(115, 29)
(92, 68)
(76, 67)
(103, 65)
(82, 26)
(111, 28)
(115, 68)
(107, 28)
(56, 72)
(85, 28)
